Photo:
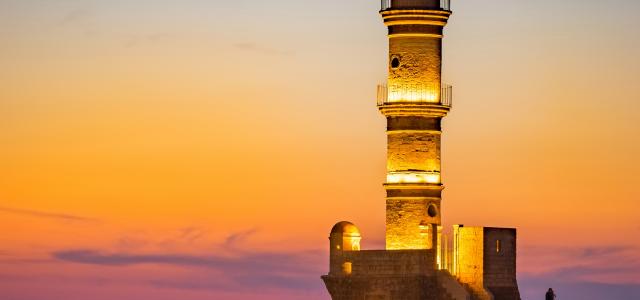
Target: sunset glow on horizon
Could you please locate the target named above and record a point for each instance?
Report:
(203, 149)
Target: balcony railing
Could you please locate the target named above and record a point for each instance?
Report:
(415, 93)
(416, 4)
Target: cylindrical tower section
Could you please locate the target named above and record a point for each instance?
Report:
(414, 103)
(344, 236)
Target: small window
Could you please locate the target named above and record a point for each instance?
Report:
(498, 246)
(347, 268)
(395, 63)
(432, 211)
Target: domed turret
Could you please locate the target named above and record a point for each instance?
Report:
(345, 227)
(345, 236)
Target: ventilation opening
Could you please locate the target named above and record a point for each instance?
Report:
(395, 63)
(432, 211)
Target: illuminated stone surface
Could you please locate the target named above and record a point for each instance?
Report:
(486, 261)
(419, 262)
(407, 224)
(413, 151)
(418, 75)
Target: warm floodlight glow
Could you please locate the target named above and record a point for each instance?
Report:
(413, 93)
(354, 242)
(418, 93)
(413, 177)
(347, 268)
(424, 229)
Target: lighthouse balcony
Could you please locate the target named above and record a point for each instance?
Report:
(414, 176)
(416, 4)
(414, 94)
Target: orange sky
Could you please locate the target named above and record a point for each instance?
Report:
(206, 127)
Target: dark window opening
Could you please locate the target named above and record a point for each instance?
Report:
(395, 63)
(432, 211)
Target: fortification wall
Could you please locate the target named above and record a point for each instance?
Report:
(485, 260)
(385, 275)
(416, 287)
(469, 251)
(469, 254)
(381, 262)
(500, 263)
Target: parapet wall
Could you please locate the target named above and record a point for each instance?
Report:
(400, 262)
(484, 268)
(500, 263)
(384, 288)
(485, 260)
(385, 275)
(468, 259)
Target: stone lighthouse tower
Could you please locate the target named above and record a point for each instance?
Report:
(414, 101)
(418, 262)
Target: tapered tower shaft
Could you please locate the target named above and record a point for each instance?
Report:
(414, 101)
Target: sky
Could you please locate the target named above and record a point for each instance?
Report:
(203, 149)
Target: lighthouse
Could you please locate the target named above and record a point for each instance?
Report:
(419, 262)
(414, 101)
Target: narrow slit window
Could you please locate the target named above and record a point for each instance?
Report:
(498, 246)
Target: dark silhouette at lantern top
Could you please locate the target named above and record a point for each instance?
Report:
(416, 4)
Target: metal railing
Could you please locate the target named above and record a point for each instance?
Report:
(446, 95)
(420, 4)
(415, 93)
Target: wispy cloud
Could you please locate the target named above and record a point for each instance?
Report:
(585, 273)
(258, 261)
(192, 233)
(236, 239)
(605, 265)
(284, 270)
(235, 282)
(590, 252)
(605, 271)
(233, 267)
(46, 215)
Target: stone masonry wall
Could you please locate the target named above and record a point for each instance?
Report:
(486, 262)
(382, 287)
(385, 275)
(469, 254)
(413, 151)
(420, 62)
(500, 263)
(404, 217)
(382, 262)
